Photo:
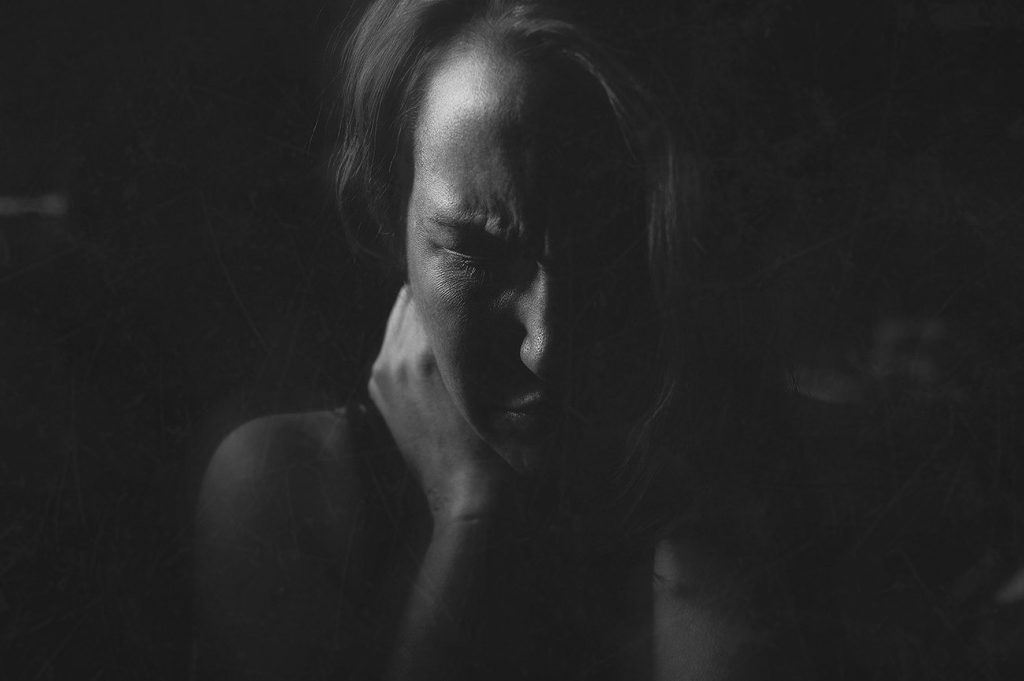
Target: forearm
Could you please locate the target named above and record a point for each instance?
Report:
(444, 605)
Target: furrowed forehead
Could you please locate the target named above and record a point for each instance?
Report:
(468, 139)
(485, 90)
(476, 86)
(497, 133)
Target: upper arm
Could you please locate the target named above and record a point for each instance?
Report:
(278, 551)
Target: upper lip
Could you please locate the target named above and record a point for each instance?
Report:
(530, 403)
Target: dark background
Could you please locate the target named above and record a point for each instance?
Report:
(863, 159)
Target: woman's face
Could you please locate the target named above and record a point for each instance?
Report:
(517, 248)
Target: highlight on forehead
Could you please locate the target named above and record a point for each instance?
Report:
(522, 96)
(512, 136)
(475, 81)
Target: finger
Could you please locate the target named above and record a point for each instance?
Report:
(414, 333)
(407, 330)
(397, 314)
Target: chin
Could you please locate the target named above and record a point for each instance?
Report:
(527, 444)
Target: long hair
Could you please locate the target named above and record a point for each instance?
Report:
(384, 64)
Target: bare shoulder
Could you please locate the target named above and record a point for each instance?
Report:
(285, 439)
(279, 550)
(284, 477)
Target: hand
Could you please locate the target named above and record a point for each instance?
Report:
(460, 475)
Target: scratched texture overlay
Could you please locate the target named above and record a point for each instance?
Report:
(170, 267)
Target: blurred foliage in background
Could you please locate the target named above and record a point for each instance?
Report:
(864, 168)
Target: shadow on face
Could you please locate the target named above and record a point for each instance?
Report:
(525, 245)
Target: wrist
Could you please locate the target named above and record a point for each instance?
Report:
(451, 510)
(470, 495)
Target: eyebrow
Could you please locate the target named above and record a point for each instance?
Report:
(448, 208)
(464, 215)
(454, 211)
(457, 219)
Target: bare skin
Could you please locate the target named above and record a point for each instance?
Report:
(460, 479)
(278, 509)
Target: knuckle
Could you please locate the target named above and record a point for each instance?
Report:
(382, 374)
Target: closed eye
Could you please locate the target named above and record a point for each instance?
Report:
(478, 268)
(478, 245)
(469, 257)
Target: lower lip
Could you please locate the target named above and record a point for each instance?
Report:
(527, 420)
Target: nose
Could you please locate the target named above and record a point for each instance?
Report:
(536, 314)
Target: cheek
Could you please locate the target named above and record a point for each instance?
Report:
(454, 315)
